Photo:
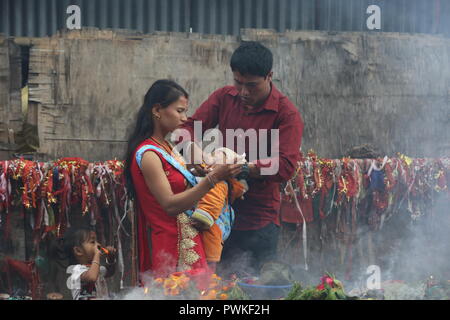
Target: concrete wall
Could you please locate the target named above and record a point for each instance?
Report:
(387, 89)
(10, 96)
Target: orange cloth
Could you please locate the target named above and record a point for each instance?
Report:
(212, 203)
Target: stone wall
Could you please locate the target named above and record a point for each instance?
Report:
(387, 89)
(10, 96)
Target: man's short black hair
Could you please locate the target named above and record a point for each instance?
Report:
(252, 58)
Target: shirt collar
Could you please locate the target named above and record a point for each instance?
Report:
(272, 102)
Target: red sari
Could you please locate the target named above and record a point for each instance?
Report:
(175, 244)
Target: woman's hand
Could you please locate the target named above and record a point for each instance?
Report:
(174, 204)
(197, 170)
(203, 169)
(225, 171)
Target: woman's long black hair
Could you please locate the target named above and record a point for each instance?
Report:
(163, 93)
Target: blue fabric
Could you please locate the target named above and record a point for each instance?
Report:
(189, 176)
(376, 180)
(226, 218)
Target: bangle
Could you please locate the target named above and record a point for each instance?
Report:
(96, 262)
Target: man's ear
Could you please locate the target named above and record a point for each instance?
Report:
(270, 75)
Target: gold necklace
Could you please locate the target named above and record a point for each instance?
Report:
(169, 149)
(165, 146)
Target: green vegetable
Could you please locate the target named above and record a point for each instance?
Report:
(295, 292)
(236, 293)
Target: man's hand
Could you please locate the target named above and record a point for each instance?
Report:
(253, 171)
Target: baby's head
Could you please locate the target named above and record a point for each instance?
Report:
(80, 245)
(227, 156)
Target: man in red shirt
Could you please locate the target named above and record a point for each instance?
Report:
(262, 119)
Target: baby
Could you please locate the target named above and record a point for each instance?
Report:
(210, 207)
(87, 279)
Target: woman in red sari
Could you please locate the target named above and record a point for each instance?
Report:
(161, 191)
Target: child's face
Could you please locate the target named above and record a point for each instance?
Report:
(89, 246)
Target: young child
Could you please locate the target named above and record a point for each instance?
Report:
(87, 279)
(210, 207)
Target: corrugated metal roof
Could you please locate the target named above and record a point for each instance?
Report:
(36, 18)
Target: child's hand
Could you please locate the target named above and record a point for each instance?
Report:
(200, 226)
(112, 252)
(97, 251)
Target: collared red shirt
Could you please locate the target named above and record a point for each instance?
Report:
(226, 110)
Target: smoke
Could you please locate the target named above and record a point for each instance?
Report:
(410, 250)
(148, 290)
(140, 293)
(410, 247)
(241, 265)
(407, 251)
(424, 249)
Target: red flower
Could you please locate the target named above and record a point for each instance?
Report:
(321, 287)
(328, 280)
(177, 274)
(195, 272)
(200, 276)
(325, 280)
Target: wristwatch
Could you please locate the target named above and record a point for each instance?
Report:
(244, 173)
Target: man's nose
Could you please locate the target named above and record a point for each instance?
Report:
(244, 92)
